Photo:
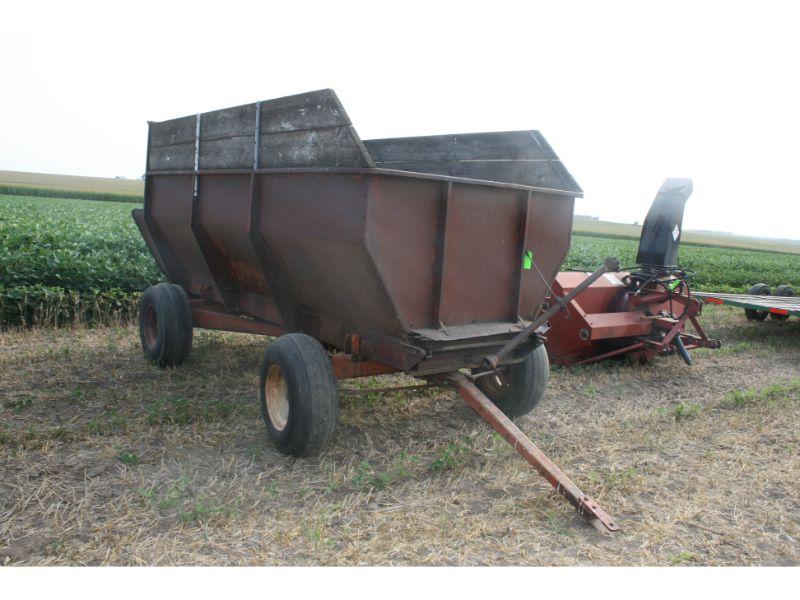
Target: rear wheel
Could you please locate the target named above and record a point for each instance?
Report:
(517, 388)
(759, 289)
(298, 395)
(782, 290)
(165, 324)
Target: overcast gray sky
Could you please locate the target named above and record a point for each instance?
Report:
(627, 93)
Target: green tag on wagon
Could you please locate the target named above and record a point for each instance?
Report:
(527, 260)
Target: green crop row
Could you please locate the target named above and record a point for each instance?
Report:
(21, 190)
(716, 269)
(68, 260)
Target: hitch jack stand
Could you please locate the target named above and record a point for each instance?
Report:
(477, 401)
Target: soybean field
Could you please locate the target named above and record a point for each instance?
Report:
(65, 260)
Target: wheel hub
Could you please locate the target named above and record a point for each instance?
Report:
(277, 396)
(150, 326)
(496, 383)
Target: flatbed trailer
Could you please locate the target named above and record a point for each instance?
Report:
(757, 307)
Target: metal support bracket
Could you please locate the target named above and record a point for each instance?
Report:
(584, 505)
(493, 360)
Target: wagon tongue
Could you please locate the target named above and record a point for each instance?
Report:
(584, 505)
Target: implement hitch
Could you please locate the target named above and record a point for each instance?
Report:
(584, 505)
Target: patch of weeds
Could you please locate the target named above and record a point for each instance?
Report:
(63, 434)
(368, 476)
(453, 455)
(733, 349)
(305, 492)
(499, 444)
(108, 423)
(590, 391)
(177, 410)
(685, 411)
(334, 481)
(774, 393)
(78, 394)
(20, 404)
(200, 512)
(169, 496)
(148, 495)
(314, 532)
(128, 458)
(558, 525)
(31, 433)
(681, 559)
(254, 450)
(739, 398)
(619, 477)
(54, 548)
(271, 489)
(178, 499)
(781, 391)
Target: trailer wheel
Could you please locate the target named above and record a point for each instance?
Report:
(759, 289)
(165, 324)
(782, 290)
(519, 387)
(298, 395)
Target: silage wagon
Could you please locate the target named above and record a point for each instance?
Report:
(428, 255)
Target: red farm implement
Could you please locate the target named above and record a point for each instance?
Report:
(638, 314)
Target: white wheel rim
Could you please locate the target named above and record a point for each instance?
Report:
(277, 397)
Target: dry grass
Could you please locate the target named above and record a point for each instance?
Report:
(106, 460)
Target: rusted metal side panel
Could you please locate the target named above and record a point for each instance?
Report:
(314, 225)
(548, 237)
(481, 259)
(222, 224)
(404, 231)
(169, 218)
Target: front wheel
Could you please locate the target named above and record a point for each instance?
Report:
(517, 388)
(165, 324)
(298, 395)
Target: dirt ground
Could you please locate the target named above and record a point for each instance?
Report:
(107, 460)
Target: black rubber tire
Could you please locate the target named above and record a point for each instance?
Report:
(517, 390)
(309, 393)
(165, 324)
(782, 290)
(759, 289)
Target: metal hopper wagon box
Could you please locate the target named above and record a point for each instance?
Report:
(427, 255)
